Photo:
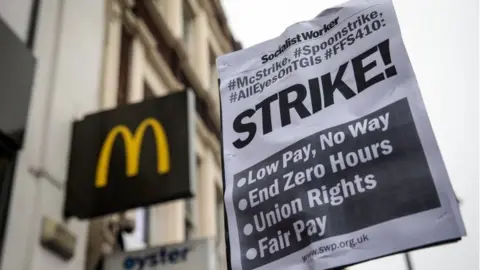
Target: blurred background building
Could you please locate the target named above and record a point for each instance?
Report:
(153, 48)
(93, 55)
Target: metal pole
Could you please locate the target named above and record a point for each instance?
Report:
(32, 28)
(408, 260)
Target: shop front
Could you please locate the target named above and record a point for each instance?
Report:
(16, 73)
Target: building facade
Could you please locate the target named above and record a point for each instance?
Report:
(93, 55)
(153, 48)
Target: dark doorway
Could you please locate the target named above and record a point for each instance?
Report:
(7, 167)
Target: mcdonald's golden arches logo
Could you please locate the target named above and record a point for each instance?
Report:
(133, 143)
(133, 156)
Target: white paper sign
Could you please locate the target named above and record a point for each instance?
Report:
(329, 155)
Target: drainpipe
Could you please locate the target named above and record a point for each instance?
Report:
(38, 170)
(32, 24)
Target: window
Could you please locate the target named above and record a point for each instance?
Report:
(162, 47)
(124, 71)
(140, 237)
(188, 19)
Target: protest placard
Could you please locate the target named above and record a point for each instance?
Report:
(329, 157)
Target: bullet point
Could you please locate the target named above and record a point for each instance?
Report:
(241, 182)
(242, 204)
(247, 230)
(251, 254)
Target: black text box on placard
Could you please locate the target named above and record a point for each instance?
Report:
(368, 178)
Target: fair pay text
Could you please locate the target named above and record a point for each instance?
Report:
(284, 239)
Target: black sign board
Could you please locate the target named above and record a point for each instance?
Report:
(132, 156)
(17, 66)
